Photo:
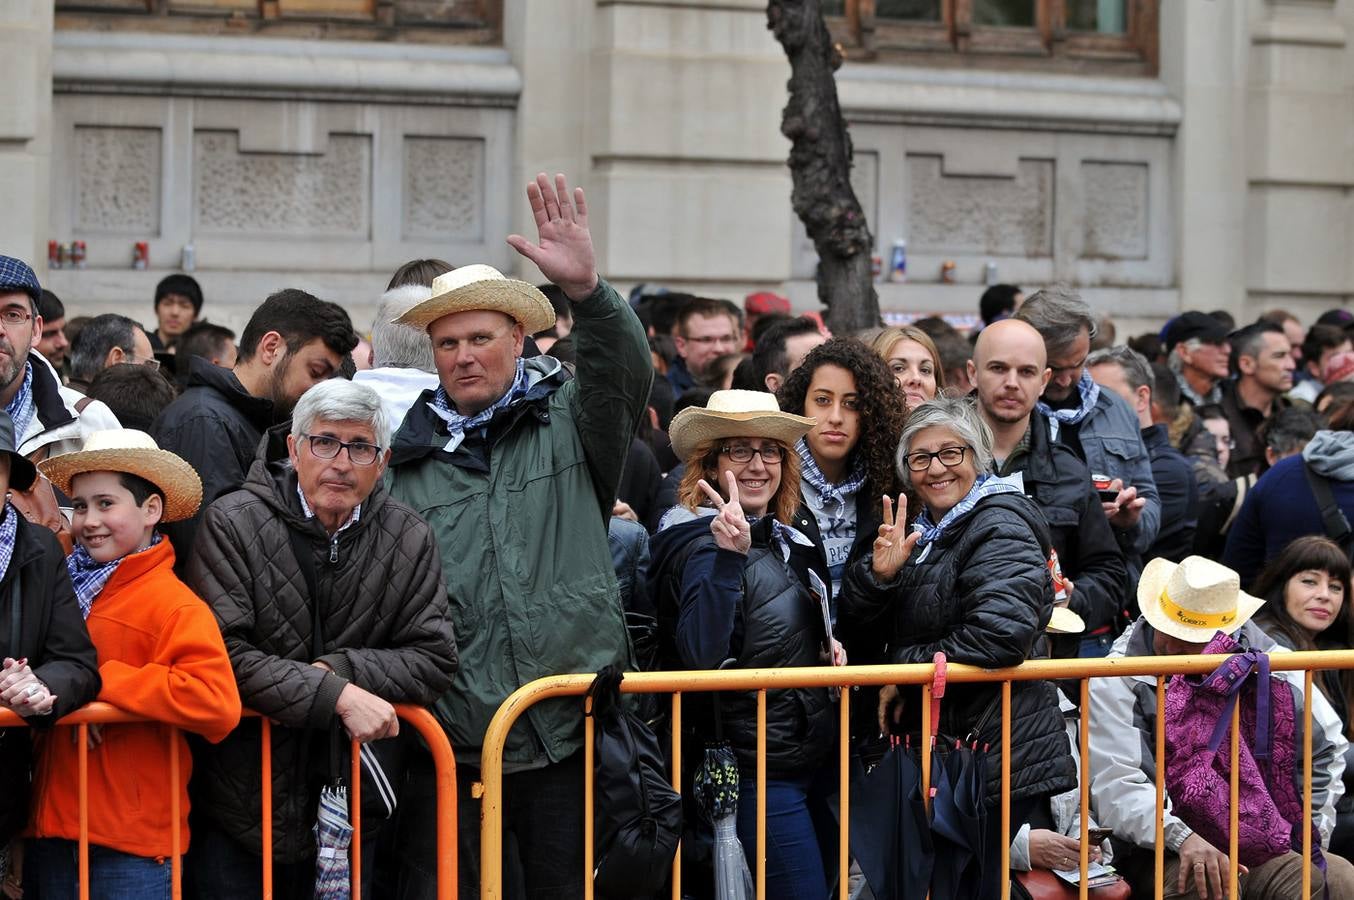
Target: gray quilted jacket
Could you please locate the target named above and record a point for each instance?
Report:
(384, 623)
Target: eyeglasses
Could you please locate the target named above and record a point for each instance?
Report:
(133, 360)
(360, 453)
(771, 454)
(12, 315)
(949, 458)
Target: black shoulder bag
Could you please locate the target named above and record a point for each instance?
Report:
(382, 761)
(1332, 517)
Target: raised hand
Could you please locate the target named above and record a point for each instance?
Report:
(563, 251)
(894, 545)
(730, 527)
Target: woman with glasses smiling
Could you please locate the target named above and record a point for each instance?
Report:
(736, 585)
(971, 581)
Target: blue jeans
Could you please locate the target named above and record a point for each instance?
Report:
(54, 867)
(1096, 646)
(800, 835)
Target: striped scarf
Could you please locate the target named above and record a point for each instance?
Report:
(21, 408)
(829, 493)
(458, 425)
(1090, 393)
(9, 531)
(89, 576)
(985, 486)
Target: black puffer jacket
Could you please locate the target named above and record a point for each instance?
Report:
(385, 626)
(777, 624)
(52, 635)
(982, 595)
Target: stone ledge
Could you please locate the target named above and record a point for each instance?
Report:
(189, 65)
(916, 96)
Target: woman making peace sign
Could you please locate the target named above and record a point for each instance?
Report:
(734, 582)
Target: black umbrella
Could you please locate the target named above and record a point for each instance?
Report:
(959, 823)
(890, 835)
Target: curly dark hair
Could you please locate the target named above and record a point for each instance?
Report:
(882, 413)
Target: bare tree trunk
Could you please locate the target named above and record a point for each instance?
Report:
(820, 164)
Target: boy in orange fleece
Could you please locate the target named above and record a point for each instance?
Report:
(160, 656)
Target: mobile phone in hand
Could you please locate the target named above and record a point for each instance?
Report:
(1100, 835)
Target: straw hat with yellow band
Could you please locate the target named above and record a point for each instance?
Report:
(1194, 599)
(133, 452)
(731, 414)
(481, 287)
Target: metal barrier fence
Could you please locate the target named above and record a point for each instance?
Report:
(422, 720)
(762, 680)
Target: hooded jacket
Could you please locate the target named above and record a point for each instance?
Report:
(385, 629)
(160, 656)
(53, 636)
(981, 593)
(215, 424)
(520, 511)
(1281, 506)
(58, 426)
(1123, 749)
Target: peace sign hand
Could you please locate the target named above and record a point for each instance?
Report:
(730, 527)
(893, 546)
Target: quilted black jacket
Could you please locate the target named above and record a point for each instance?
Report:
(385, 626)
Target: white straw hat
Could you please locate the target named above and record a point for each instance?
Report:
(1194, 599)
(481, 287)
(133, 452)
(729, 414)
(1064, 621)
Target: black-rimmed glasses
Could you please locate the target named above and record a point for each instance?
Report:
(771, 454)
(949, 458)
(360, 453)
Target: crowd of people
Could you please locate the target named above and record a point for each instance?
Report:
(501, 482)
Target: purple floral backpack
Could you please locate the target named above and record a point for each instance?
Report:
(1198, 755)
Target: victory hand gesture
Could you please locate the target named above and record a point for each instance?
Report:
(894, 545)
(730, 527)
(564, 250)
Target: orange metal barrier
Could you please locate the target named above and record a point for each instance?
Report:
(419, 718)
(762, 680)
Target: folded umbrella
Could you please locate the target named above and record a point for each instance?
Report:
(959, 823)
(890, 834)
(716, 790)
(333, 836)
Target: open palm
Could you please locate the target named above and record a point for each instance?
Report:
(563, 249)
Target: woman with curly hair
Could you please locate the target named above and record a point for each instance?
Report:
(913, 359)
(846, 460)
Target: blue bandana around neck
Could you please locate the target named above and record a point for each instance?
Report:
(89, 577)
(21, 408)
(835, 494)
(985, 486)
(9, 531)
(1090, 393)
(458, 425)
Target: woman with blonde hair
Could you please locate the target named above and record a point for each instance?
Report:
(737, 586)
(913, 359)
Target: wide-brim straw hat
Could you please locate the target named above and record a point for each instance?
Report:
(729, 414)
(1194, 599)
(133, 452)
(481, 287)
(1064, 621)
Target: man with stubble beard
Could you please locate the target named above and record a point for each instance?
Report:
(293, 341)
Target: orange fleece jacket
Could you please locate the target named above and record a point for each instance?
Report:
(160, 656)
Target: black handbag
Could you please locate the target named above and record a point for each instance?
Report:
(638, 815)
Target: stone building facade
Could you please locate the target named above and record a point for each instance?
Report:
(319, 143)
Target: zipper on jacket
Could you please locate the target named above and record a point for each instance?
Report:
(333, 550)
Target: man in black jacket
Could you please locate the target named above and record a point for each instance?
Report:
(292, 342)
(1010, 368)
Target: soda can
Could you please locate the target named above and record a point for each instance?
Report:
(898, 262)
(990, 273)
(78, 252)
(53, 255)
(1055, 570)
(188, 261)
(63, 255)
(947, 269)
(876, 266)
(141, 255)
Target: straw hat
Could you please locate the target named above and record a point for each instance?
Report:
(482, 287)
(730, 414)
(1064, 621)
(133, 452)
(1194, 599)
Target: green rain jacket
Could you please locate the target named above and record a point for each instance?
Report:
(520, 513)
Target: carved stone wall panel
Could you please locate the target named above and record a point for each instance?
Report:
(865, 182)
(443, 188)
(326, 195)
(978, 215)
(1115, 218)
(117, 180)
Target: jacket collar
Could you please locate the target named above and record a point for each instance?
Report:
(258, 410)
(1155, 436)
(52, 411)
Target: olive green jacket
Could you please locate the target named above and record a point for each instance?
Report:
(520, 511)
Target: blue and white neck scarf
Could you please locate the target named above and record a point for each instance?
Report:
(834, 494)
(1090, 393)
(9, 531)
(90, 576)
(21, 408)
(458, 425)
(985, 486)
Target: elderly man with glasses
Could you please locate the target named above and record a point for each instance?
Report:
(330, 597)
